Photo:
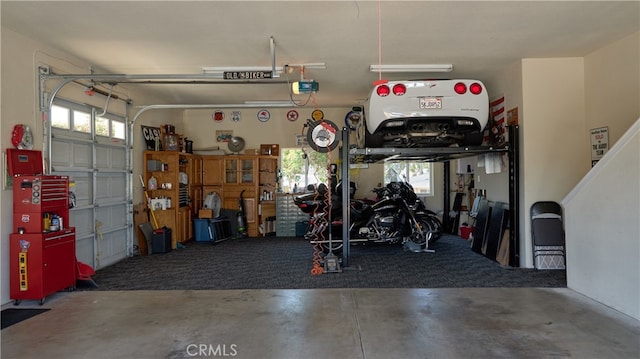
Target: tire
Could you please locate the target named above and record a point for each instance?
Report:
(434, 225)
(427, 231)
(366, 140)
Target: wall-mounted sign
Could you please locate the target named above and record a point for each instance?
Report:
(151, 136)
(218, 115)
(223, 135)
(264, 115)
(235, 116)
(292, 115)
(512, 117)
(317, 115)
(599, 143)
(247, 75)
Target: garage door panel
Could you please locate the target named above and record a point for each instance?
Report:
(111, 217)
(110, 187)
(108, 157)
(82, 188)
(112, 248)
(82, 219)
(84, 250)
(71, 154)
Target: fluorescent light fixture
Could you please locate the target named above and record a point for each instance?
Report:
(306, 86)
(242, 72)
(273, 103)
(412, 68)
(311, 66)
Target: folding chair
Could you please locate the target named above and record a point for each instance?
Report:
(547, 233)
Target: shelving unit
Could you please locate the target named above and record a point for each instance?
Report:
(171, 171)
(267, 188)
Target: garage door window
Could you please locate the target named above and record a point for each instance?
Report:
(60, 117)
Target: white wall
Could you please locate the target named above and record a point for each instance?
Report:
(602, 227)
(554, 134)
(21, 56)
(612, 90)
(602, 211)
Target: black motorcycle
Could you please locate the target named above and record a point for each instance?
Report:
(397, 217)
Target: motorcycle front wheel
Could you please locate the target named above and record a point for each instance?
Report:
(435, 225)
(423, 234)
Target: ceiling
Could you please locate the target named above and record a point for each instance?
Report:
(180, 37)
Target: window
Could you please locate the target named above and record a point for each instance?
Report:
(60, 117)
(117, 129)
(102, 126)
(418, 174)
(67, 115)
(81, 121)
(300, 169)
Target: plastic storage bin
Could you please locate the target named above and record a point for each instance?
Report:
(161, 240)
(201, 230)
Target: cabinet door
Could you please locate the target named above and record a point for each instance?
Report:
(195, 170)
(231, 169)
(185, 231)
(212, 167)
(247, 168)
(59, 263)
(197, 198)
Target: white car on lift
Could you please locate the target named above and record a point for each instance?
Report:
(425, 113)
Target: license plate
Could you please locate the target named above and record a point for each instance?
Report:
(431, 102)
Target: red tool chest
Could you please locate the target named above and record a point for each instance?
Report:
(43, 246)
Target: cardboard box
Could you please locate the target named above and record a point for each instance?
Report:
(270, 150)
(205, 213)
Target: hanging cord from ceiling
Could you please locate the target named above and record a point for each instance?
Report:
(379, 40)
(106, 105)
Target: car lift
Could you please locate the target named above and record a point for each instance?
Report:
(324, 136)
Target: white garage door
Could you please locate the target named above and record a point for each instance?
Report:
(91, 148)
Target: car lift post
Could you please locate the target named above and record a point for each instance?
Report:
(346, 199)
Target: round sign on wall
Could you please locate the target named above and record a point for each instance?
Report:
(292, 115)
(264, 115)
(218, 116)
(317, 115)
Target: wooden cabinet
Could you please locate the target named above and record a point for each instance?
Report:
(249, 176)
(170, 195)
(267, 187)
(195, 184)
(240, 170)
(212, 169)
(184, 223)
(240, 182)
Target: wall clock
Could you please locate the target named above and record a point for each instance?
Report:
(264, 115)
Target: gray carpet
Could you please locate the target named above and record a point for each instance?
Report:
(286, 263)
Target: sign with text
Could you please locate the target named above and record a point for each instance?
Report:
(247, 75)
(151, 135)
(599, 143)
